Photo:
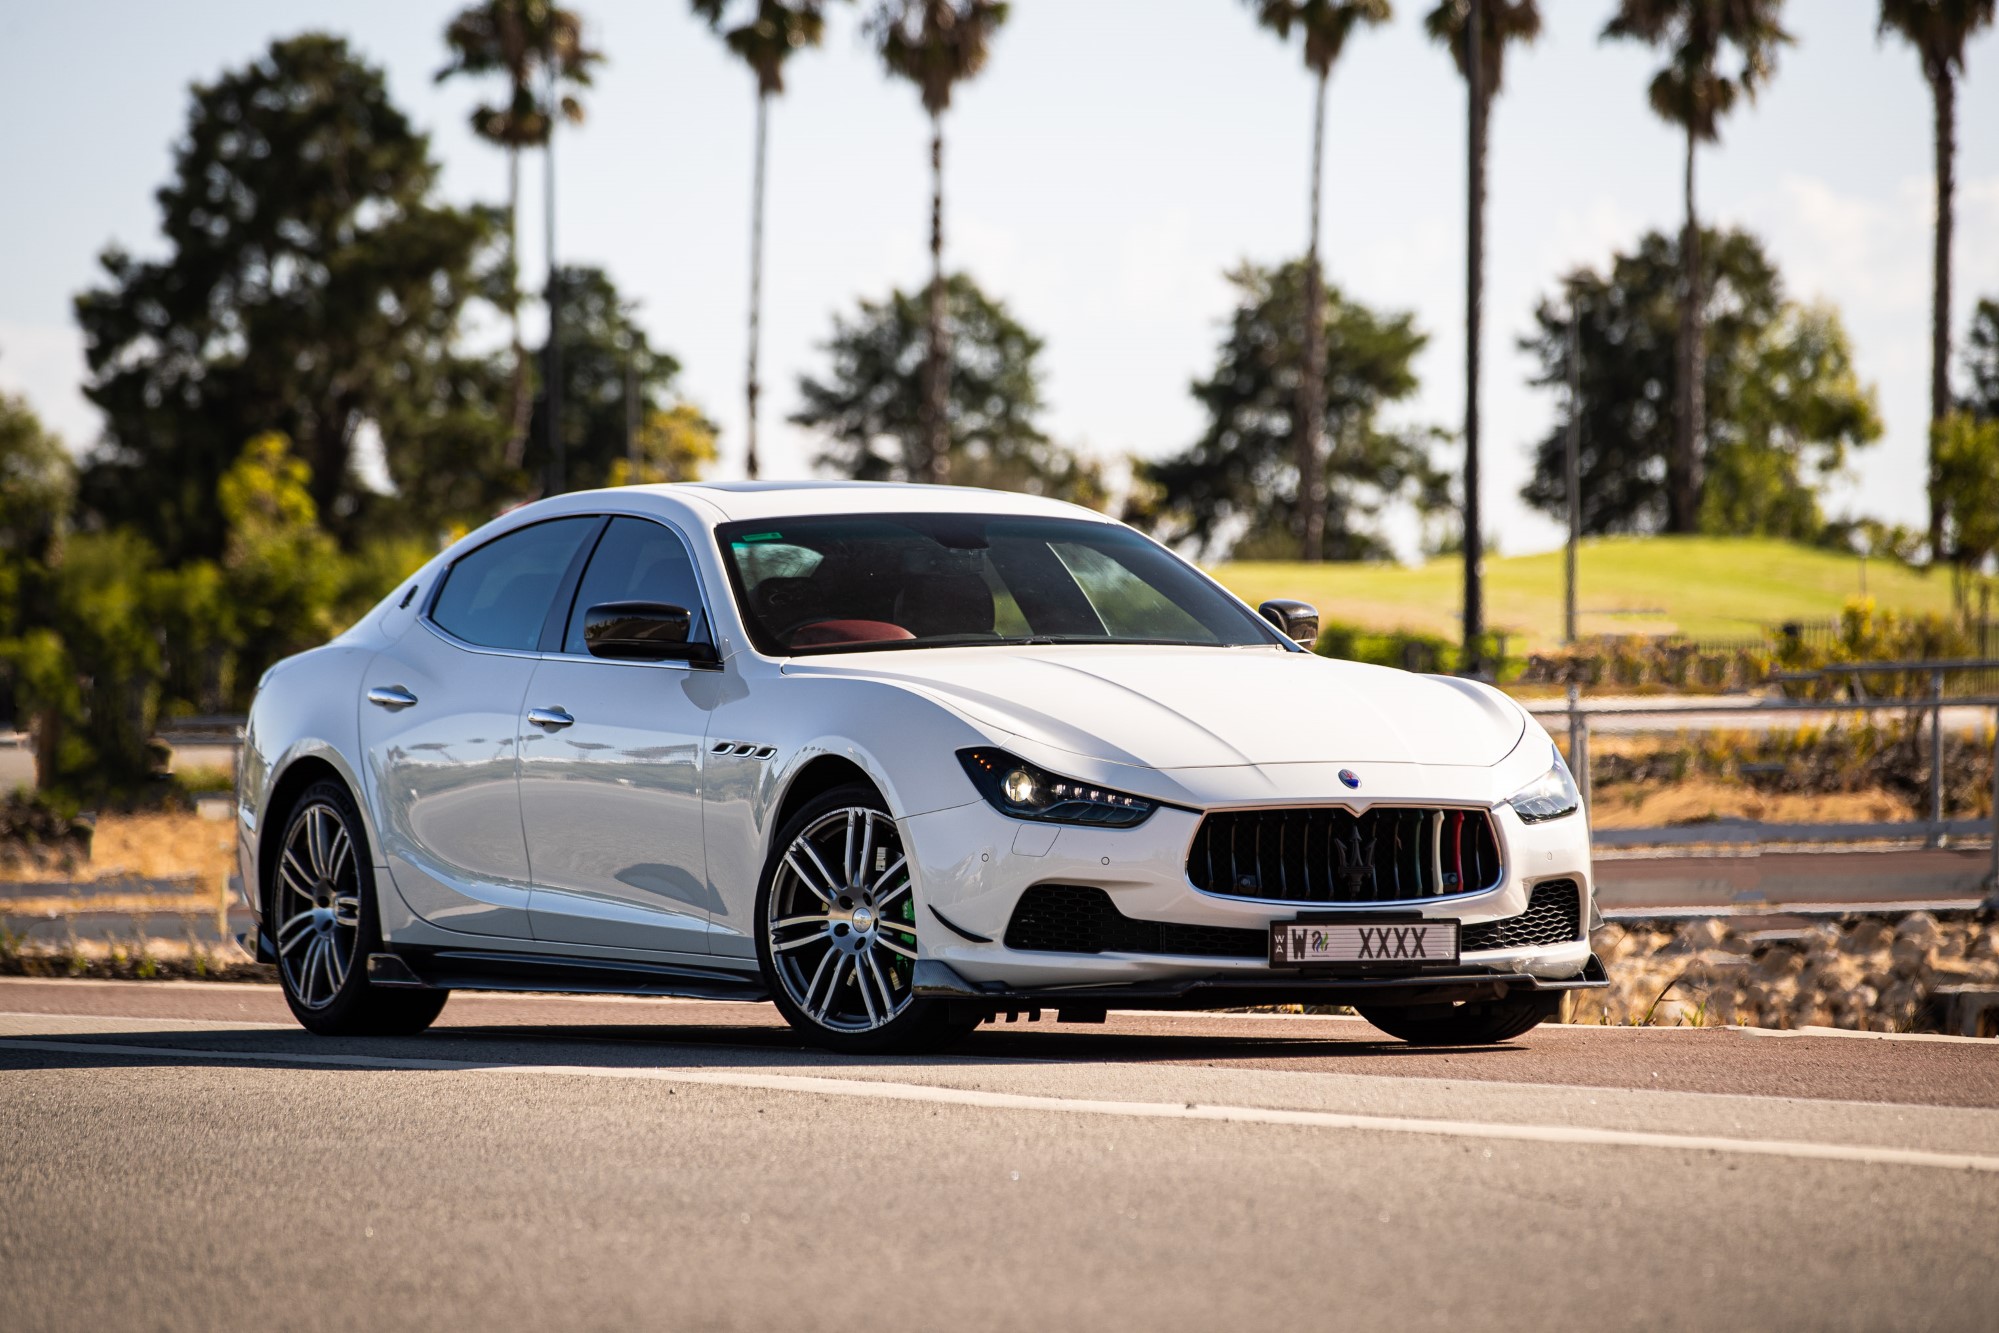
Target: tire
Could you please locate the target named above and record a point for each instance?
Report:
(324, 922)
(837, 946)
(1474, 1023)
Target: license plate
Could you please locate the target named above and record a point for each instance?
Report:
(1363, 945)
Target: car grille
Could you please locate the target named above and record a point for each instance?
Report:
(1332, 855)
(1554, 915)
(1073, 918)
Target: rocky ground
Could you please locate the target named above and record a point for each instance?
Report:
(1878, 972)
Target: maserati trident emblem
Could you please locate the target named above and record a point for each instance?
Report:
(1349, 778)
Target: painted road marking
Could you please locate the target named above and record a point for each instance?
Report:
(1859, 1154)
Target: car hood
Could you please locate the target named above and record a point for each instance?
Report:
(1160, 707)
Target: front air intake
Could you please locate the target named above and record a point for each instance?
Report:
(1333, 855)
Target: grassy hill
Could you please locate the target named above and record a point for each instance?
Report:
(1703, 587)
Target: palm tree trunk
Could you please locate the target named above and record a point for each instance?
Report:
(1473, 656)
(1943, 88)
(756, 280)
(522, 405)
(1312, 383)
(1683, 468)
(935, 465)
(556, 449)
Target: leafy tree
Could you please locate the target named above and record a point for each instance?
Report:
(673, 444)
(1785, 403)
(770, 33)
(1236, 491)
(1694, 92)
(1981, 362)
(1326, 25)
(527, 41)
(870, 405)
(37, 485)
(1477, 31)
(936, 45)
(1968, 471)
(1939, 30)
(311, 288)
(601, 342)
(281, 572)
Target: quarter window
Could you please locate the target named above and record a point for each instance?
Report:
(499, 595)
(637, 561)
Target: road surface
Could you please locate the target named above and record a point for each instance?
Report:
(181, 1156)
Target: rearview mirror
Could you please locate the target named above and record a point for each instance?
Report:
(643, 632)
(1297, 621)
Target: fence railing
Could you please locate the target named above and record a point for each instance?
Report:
(1935, 830)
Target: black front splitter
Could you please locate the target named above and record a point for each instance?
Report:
(939, 981)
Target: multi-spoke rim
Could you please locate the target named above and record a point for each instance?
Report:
(318, 905)
(842, 921)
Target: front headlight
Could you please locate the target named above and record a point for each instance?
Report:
(1015, 787)
(1549, 796)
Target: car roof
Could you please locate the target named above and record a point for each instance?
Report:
(736, 500)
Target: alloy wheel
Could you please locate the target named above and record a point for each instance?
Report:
(842, 921)
(318, 905)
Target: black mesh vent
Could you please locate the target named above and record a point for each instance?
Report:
(1554, 915)
(1072, 918)
(1386, 854)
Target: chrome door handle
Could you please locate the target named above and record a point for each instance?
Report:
(391, 697)
(554, 719)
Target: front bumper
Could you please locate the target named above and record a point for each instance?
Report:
(972, 864)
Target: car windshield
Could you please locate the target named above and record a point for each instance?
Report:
(887, 581)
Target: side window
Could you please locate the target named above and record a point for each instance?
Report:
(498, 596)
(637, 561)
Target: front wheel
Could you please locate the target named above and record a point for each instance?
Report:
(1473, 1023)
(836, 916)
(324, 923)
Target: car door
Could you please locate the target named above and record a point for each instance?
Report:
(440, 722)
(611, 765)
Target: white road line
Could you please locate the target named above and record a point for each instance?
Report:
(1859, 1154)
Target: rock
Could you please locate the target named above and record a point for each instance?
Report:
(1917, 926)
(1778, 963)
(1865, 936)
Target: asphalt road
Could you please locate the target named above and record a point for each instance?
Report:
(182, 1156)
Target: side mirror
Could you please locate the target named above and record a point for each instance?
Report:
(1297, 621)
(643, 632)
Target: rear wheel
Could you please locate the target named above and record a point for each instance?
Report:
(324, 925)
(836, 935)
(1473, 1023)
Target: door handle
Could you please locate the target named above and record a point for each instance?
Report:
(391, 697)
(553, 719)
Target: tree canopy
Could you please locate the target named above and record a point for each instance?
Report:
(311, 286)
(1981, 361)
(869, 406)
(1784, 402)
(1235, 491)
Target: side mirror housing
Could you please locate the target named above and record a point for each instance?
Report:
(643, 632)
(1297, 621)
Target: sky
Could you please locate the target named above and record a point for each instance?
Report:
(1112, 162)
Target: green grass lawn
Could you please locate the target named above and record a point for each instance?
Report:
(1703, 587)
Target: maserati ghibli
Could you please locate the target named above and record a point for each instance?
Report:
(900, 760)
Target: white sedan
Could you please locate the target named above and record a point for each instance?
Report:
(899, 759)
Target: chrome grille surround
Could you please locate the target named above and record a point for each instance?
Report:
(1336, 854)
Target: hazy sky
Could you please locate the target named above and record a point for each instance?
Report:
(1113, 160)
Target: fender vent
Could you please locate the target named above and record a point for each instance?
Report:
(1554, 915)
(1073, 918)
(1383, 854)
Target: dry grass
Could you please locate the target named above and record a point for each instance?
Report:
(1697, 801)
(148, 846)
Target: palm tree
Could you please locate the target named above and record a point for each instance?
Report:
(936, 44)
(1694, 92)
(771, 32)
(1939, 29)
(1326, 24)
(1477, 34)
(530, 42)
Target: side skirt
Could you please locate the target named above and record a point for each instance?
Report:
(463, 969)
